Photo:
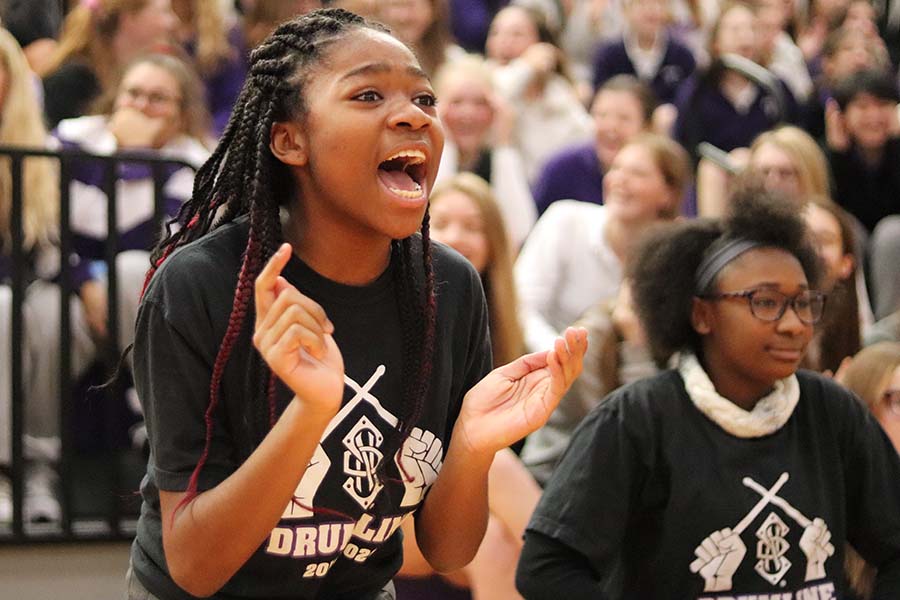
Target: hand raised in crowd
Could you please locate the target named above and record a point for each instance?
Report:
(835, 129)
(542, 57)
(294, 337)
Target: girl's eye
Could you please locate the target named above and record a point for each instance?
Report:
(426, 100)
(368, 96)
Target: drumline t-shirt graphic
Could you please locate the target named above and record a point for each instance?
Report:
(721, 553)
(355, 461)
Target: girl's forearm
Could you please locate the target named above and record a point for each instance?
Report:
(451, 524)
(214, 534)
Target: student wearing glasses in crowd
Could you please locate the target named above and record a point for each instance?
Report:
(733, 473)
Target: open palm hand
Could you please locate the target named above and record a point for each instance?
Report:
(515, 399)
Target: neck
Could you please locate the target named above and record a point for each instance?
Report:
(734, 80)
(645, 40)
(336, 254)
(743, 392)
(871, 157)
(621, 235)
(468, 158)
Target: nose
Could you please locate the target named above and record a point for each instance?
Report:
(790, 323)
(409, 115)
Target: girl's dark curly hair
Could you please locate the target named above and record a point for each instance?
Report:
(243, 178)
(663, 266)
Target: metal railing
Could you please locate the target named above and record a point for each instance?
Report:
(114, 524)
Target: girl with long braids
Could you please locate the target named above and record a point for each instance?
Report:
(732, 475)
(312, 369)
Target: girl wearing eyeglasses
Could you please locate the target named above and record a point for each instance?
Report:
(732, 474)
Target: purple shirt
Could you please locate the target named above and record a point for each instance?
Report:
(705, 115)
(574, 173)
(677, 65)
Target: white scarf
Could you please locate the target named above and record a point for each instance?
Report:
(768, 416)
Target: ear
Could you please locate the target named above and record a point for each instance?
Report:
(288, 143)
(701, 316)
(846, 266)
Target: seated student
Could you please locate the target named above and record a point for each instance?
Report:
(846, 51)
(157, 109)
(646, 50)
(479, 139)
(622, 108)
(839, 335)
(733, 475)
(874, 376)
(21, 124)
(573, 258)
(721, 106)
(863, 145)
(786, 159)
(531, 73)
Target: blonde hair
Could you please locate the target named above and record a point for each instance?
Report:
(21, 124)
(868, 373)
(805, 154)
(211, 35)
(87, 34)
(507, 341)
(470, 66)
(868, 376)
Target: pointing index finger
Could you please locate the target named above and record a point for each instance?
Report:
(264, 287)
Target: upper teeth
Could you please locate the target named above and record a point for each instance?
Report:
(416, 156)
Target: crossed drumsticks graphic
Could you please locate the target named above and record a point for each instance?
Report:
(721, 553)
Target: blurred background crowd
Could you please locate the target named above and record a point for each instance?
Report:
(571, 127)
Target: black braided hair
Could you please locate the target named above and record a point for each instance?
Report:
(243, 177)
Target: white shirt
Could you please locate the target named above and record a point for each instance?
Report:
(544, 124)
(565, 267)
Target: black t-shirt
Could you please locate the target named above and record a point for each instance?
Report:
(868, 194)
(351, 547)
(657, 501)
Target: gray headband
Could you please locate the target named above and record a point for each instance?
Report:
(716, 260)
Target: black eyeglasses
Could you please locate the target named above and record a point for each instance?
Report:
(770, 305)
(892, 398)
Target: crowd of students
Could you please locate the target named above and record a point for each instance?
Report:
(686, 180)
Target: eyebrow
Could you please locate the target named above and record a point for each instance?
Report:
(381, 68)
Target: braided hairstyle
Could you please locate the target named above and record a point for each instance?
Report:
(243, 177)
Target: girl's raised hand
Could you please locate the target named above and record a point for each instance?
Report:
(294, 337)
(517, 398)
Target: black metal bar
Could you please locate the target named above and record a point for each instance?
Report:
(111, 177)
(66, 416)
(159, 199)
(18, 338)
